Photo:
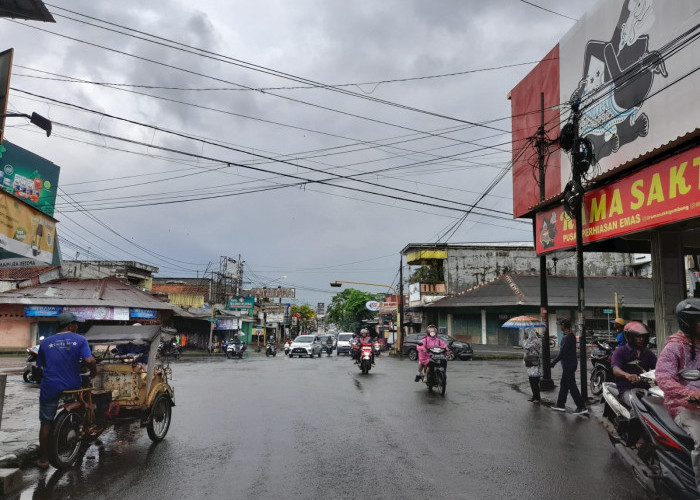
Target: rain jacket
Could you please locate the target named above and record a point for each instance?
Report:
(533, 345)
(674, 358)
(429, 342)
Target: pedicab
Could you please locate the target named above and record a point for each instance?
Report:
(132, 385)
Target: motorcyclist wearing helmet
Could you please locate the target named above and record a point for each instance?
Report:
(365, 340)
(633, 358)
(618, 325)
(430, 340)
(680, 353)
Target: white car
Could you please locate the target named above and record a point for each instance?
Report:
(305, 345)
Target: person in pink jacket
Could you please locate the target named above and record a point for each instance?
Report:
(430, 340)
(680, 352)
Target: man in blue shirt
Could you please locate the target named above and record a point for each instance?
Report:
(60, 356)
(633, 358)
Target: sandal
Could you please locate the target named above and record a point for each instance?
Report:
(42, 464)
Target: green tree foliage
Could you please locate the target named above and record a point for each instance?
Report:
(429, 273)
(307, 316)
(347, 309)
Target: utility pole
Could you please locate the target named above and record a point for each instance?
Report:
(576, 174)
(546, 381)
(399, 320)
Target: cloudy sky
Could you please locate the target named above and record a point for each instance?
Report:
(315, 138)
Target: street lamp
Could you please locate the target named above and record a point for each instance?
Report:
(35, 118)
(339, 283)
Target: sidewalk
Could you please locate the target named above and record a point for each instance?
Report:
(19, 428)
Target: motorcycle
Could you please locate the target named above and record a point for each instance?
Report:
(169, 349)
(601, 372)
(32, 373)
(270, 349)
(436, 371)
(235, 350)
(647, 438)
(365, 359)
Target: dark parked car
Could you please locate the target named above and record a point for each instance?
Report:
(459, 350)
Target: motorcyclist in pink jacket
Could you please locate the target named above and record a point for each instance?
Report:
(430, 340)
(680, 352)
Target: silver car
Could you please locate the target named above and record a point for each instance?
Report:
(305, 345)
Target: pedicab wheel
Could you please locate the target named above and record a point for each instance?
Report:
(65, 439)
(159, 419)
(441, 382)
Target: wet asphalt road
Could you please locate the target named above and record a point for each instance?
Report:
(272, 428)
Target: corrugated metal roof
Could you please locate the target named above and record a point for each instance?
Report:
(23, 273)
(518, 289)
(109, 292)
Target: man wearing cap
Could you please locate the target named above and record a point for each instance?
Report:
(60, 356)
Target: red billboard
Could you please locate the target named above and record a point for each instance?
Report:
(666, 192)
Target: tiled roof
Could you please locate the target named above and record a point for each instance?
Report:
(518, 289)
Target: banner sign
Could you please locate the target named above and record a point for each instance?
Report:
(273, 292)
(241, 303)
(666, 192)
(226, 324)
(42, 311)
(136, 312)
(372, 305)
(25, 231)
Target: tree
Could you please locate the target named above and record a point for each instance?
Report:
(306, 315)
(347, 309)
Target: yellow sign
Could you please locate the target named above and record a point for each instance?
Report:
(25, 230)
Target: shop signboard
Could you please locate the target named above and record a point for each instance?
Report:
(663, 193)
(273, 292)
(42, 311)
(241, 303)
(136, 312)
(633, 67)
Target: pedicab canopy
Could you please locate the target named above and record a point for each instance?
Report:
(134, 334)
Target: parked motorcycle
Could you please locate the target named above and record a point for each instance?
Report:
(365, 358)
(436, 371)
(169, 349)
(235, 350)
(601, 355)
(270, 349)
(647, 438)
(32, 373)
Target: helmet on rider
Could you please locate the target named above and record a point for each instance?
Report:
(688, 313)
(635, 329)
(432, 330)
